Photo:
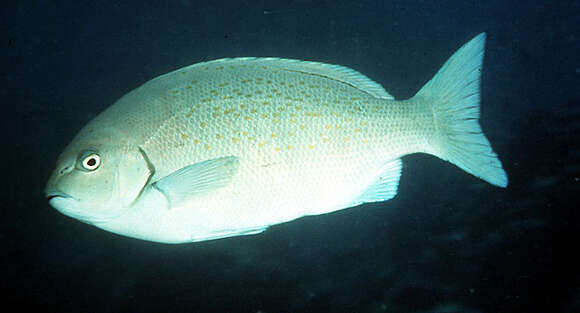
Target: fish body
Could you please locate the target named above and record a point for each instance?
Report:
(232, 146)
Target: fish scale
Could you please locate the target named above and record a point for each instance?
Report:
(261, 112)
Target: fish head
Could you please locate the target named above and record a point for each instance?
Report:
(97, 176)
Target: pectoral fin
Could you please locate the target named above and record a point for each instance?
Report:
(196, 179)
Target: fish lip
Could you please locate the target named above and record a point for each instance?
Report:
(57, 194)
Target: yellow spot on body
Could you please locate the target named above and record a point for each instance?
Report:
(273, 135)
(219, 136)
(325, 139)
(278, 149)
(235, 139)
(346, 138)
(337, 126)
(302, 126)
(203, 124)
(364, 123)
(250, 138)
(245, 133)
(290, 134)
(207, 147)
(264, 115)
(292, 121)
(196, 141)
(185, 136)
(328, 126)
(357, 130)
(365, 140)
(311, 147)
(289, 147)
(247, 118)
(275, 121)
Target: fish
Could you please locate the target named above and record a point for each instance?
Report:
(232, 146)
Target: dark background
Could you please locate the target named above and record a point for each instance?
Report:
(447, 243)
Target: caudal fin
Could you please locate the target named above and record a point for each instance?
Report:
(454, 97)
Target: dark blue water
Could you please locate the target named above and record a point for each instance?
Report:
(447, 243)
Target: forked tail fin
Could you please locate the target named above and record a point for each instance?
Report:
(454, 97)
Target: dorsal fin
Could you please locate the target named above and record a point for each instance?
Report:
(335, 72)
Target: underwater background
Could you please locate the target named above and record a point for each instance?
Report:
(448, 242)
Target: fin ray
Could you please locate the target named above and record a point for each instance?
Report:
(455, 94)
(336, 72)
(197, 179)
(385, 185)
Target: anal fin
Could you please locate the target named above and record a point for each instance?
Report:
(385, 185)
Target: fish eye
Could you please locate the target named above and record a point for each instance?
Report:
(91, 161)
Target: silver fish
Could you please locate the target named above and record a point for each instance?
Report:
(232, 146)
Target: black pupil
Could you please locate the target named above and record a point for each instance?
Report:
(91, 162)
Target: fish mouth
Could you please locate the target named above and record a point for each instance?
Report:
(70, 206)
(67, 205)
(56, 194)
